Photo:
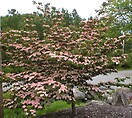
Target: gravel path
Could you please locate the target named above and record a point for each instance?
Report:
(94, 111)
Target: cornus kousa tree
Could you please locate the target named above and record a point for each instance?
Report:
(67, 56)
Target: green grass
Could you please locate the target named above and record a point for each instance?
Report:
(53, 107)
(121, 69)
(14, 113)
(56, 106)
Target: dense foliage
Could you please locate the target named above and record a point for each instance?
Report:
(120, 12)
(67, 55)
(120, 22)
(15, 20)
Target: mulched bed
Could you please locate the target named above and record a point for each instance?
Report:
(93, 111)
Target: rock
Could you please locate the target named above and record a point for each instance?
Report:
(78, 95)
(119, 98)
(109, 100)
(130, 105)
(93, 102)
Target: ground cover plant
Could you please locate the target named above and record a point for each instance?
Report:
(67, 56)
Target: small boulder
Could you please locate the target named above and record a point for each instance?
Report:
(119, 98)
(78, 95)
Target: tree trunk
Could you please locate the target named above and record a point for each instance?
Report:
(1, 91)
(73, 109)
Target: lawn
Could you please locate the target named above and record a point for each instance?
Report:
(55, 106)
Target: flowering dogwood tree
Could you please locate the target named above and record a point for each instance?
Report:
(67, 56)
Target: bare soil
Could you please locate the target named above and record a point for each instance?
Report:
(93, 111)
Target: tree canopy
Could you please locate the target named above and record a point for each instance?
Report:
(120, 22)
(120, 12)
(68, 55)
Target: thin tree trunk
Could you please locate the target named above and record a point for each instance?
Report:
(1, 90)
(73, 109)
